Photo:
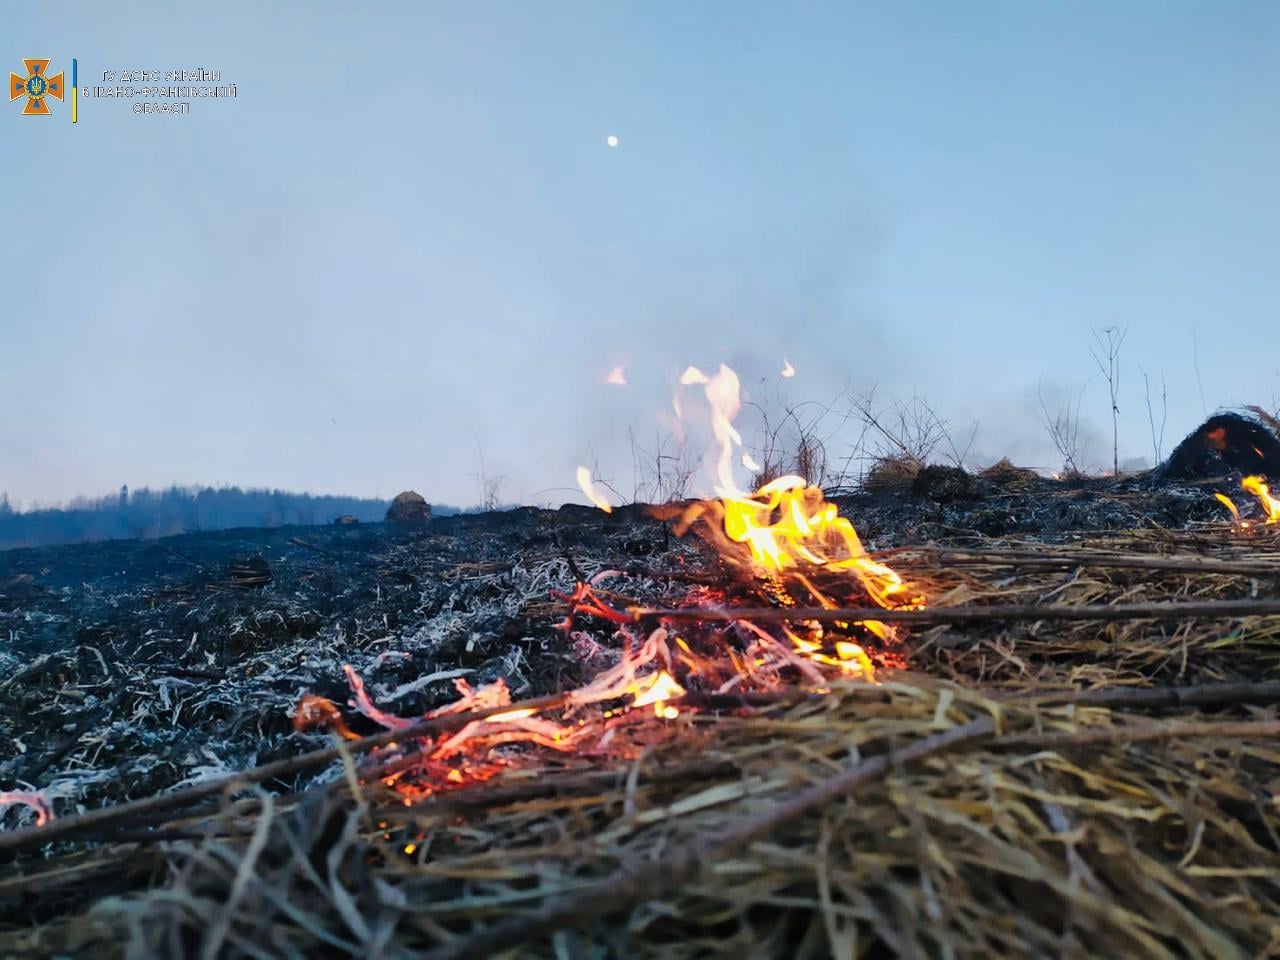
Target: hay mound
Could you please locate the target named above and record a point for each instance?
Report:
(891, 474)
(409, 507)
(1227, 444)
(1005, 472)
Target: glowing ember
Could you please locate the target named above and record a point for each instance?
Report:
(592, 492)
(316, 711)
(366, 706)
(28, 798)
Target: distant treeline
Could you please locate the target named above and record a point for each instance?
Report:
(159, 513)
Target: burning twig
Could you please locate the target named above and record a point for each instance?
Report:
(79, 824)
(584, 600)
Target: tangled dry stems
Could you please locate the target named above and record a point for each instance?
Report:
(1076, 830)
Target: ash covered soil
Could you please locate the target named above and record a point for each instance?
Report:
(130, 667)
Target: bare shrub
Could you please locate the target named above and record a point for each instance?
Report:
(662, 473)
(490, 486)
(909, 430)
(794, 443)
(1063, 427)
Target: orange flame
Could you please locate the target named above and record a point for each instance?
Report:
(1259, 489)
(808, 530)
(787, 523)
(1257, 486)
(1230, 505)
(788, 526)
(657, 689)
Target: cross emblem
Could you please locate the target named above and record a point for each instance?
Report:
(35, 86)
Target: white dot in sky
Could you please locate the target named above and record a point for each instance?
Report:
(611, 140)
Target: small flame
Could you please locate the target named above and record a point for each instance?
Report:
(1256, 486)
(850, 658)
(593, 494)
(1230, 505)
(1259, 489)
(617, 377)
(691, 376)
(657, 690)
(787, 369)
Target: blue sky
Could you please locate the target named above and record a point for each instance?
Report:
(406, 240)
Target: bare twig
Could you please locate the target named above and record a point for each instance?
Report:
(1155, 698)
(1109, 341)
(1157, 438)
(1145, 731)
(1018, 611)
(1014, 558)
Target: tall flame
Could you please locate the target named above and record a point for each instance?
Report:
(788, 526)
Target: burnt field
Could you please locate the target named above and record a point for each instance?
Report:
(1046, 757)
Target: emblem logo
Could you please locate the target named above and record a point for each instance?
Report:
(36, 86)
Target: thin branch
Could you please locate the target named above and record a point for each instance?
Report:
(1013, 558)
(1226, 609)
(1154, 698)
(1144, 732)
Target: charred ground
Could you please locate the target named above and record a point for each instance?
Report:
(135, 667)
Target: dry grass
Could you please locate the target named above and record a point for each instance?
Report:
(1076, 830)
(891, 474)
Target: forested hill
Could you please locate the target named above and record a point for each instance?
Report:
(158, 513)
